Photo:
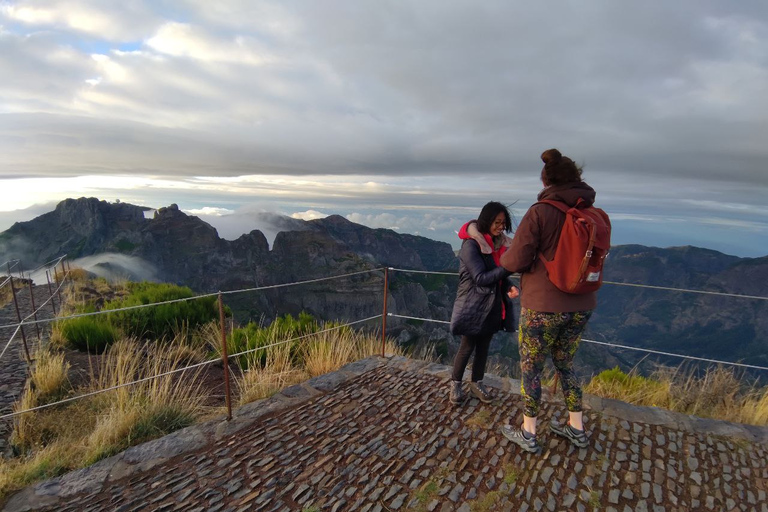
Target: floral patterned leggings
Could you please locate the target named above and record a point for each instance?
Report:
(558, 334)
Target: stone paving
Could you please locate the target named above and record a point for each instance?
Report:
(379, 435)
(13, 365)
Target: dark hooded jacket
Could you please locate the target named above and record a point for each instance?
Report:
(481, 305)
(538, 232)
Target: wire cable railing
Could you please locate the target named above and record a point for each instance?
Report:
(22, 321)
(185, 299)
(9, 265)
(615, 283)
(383, 316)
(626, 347)
(185, 368)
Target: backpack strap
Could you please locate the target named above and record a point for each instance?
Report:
(557, 204)
(580, 204)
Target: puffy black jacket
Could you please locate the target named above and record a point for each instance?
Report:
(478, 305)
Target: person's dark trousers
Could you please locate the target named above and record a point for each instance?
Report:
(480, 346)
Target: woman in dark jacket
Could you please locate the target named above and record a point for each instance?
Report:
(479, 310)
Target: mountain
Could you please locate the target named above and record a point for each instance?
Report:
(712, 326)
(179, 248)
(175, 247)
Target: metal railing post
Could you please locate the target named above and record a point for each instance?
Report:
(225, 358)
(50, 292)
(18, 315)
(384, 313)
(34, 309)
(59, 283)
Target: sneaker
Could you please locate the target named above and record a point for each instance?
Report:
(575, 436)
(524, 440)
(456, 395)
(480, 391)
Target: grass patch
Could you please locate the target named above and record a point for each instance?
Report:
(487, 503)
(511, 474)
(428, 491)
(270, 370)
(481, 419)
(719, 393)
(594, 499)
(87, 333)
(73, 435)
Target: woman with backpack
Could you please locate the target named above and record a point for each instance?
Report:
(551, 320)
(480, 309)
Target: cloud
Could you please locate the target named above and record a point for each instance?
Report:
(375, 108)
(112, 266)
(425, 90)
(209, 211)
(116, 22)
(309, 215)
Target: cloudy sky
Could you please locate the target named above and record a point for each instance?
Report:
(405, 115)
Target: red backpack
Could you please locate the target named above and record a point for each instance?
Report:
(585, 239)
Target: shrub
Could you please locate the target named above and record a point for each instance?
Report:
(87, 333)
(254, 336)
(162, 321)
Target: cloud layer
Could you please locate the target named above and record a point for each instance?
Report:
(372, 108)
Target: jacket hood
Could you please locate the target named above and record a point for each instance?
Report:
(569, 193)
(469, 231)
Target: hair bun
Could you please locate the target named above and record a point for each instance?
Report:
(551, 157)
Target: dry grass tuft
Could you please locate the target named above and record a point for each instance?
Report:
(277, 373)
(719, 393)
(79, 433)
(49, 375)
(328, 351)
(136, 413)
(288, 364)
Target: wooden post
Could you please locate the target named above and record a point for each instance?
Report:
(225, 358)
(34, 309)
(384, 313)
(18, 315)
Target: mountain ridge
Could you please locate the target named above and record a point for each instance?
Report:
(186, 250)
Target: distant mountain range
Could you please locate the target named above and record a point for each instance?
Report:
(175, 247)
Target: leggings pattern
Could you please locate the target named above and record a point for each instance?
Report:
(558, 334)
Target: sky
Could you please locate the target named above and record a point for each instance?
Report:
(394, 114)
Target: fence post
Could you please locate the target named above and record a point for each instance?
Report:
(18, 315)
(384, 313)
(225, 358)
(50, 292)
(59, 283)
(34, 309)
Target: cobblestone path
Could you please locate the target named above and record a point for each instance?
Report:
(380, 436)
(13, 365)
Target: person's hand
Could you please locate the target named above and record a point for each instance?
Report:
(513, 292)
